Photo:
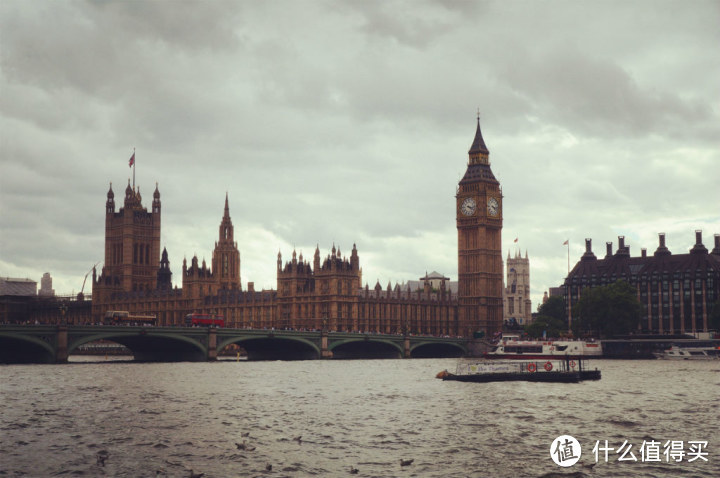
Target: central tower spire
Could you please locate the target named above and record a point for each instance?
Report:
(226, 257)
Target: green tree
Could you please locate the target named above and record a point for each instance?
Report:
(544, 323)
(551, 319)
(555, 308)
(609, 310)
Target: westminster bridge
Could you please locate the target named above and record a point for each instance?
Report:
(54, 343)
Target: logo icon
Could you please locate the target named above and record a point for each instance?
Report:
(565, 450)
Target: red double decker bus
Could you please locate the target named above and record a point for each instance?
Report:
(204, 320)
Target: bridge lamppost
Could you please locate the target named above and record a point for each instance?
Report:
(63, 310)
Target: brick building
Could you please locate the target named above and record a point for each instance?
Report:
(677, 291)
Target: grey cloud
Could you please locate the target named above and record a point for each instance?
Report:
(599, 96)
(350, 122)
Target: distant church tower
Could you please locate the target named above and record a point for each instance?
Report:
(516, 297)
(479, 225)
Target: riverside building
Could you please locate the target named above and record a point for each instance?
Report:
(677, 291)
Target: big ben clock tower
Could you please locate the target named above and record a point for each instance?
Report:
(479, 224)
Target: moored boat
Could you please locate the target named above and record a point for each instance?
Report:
(562, 371)
(689, 353)
(512, 348)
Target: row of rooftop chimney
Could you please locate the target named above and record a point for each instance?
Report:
(662, 250)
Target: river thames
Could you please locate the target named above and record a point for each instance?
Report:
(322, 418)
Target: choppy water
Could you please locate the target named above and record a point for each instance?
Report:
(166, 419)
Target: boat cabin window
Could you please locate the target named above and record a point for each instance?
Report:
(561, 348)
(523, 349)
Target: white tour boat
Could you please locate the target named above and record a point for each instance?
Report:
(689, 353)
(512, 348)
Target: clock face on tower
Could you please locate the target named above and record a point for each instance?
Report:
(468, 207)
(493, 207)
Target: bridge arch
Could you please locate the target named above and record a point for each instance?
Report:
(150, 347)
(22, 348)
(366, 347)
(435, 349)
(273, 347)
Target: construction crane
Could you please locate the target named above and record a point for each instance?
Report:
(85, 279)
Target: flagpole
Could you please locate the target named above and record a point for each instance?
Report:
(569, 311)
(135, 160)
(566, 242)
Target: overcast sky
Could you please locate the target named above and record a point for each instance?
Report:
(349, 122)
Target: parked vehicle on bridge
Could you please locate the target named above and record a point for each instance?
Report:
(123, 317)
(204, 320)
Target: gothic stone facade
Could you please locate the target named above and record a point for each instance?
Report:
(325, 293)
(517, 305)
(677, 292)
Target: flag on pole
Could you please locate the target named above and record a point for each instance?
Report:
(516, 239)
(564, 243)
(132, 160)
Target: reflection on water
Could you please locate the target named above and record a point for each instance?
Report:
(166, 419)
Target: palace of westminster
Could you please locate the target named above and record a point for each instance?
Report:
(311, 294)
(677, 292)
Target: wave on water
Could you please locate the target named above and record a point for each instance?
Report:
(368, 415)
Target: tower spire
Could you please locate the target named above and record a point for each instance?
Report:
(478, 146)
(226, 257)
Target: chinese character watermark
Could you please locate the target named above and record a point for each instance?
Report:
(565, 450)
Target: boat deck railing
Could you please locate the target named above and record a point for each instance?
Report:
(522, 366)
